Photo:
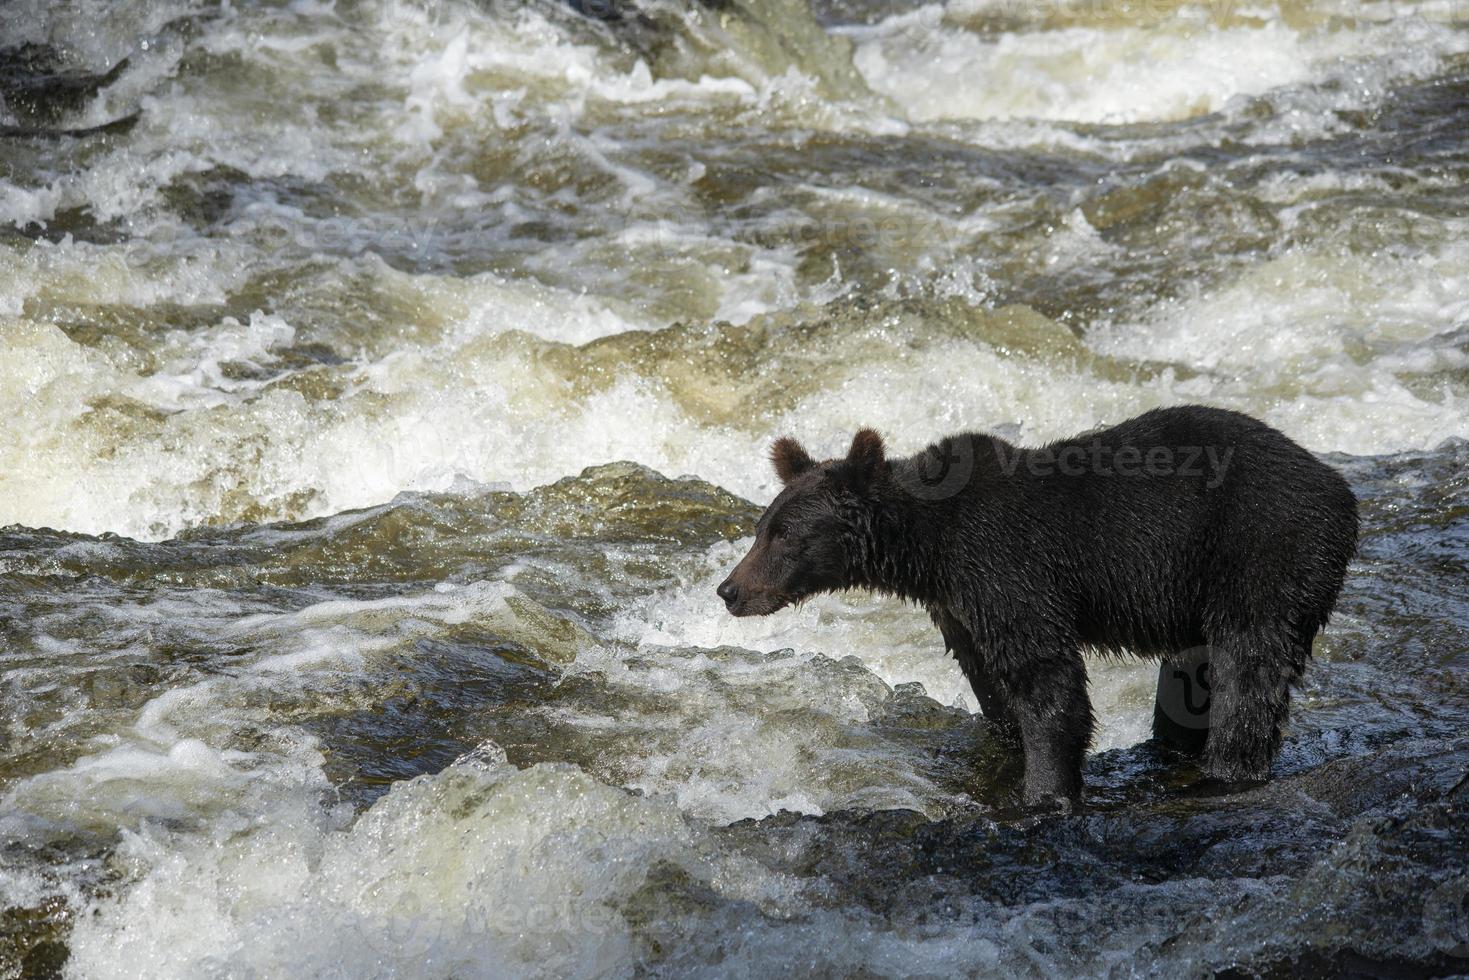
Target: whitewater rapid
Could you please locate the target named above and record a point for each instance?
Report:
(390, 384)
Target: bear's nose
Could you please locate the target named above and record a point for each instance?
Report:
(728, 591)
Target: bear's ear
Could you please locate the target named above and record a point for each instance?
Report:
(790, 459)
(867, 451)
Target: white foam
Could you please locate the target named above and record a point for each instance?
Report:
(1173, 69)
(480, 870)
(241, 856)
(149, 433)
(133, 274)
(191, 373)
(487, 304)
(477, 405)
(729, 734)
(1324, 344)
(1080, 74)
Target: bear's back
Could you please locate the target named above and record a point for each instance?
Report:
(1151, 529)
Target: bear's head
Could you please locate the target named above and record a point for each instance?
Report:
(813, 532)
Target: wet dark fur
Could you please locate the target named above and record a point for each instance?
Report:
(1022, 567)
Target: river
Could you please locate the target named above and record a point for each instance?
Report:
(387, 386)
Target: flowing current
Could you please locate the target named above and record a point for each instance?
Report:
(387, 385)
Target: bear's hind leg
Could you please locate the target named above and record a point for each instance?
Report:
(1251, 674)
(1054, 715)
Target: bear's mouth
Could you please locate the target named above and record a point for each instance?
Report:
(761, 604)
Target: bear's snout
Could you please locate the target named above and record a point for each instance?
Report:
(729, 592)
(748, 589)
(748, 601)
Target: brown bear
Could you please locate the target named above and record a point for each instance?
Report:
(1188, 534)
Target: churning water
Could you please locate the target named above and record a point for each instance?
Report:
(386, 386)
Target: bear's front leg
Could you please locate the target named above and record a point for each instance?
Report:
(1049, 703)
(981, 679)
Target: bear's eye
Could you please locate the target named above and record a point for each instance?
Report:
(778, 532)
